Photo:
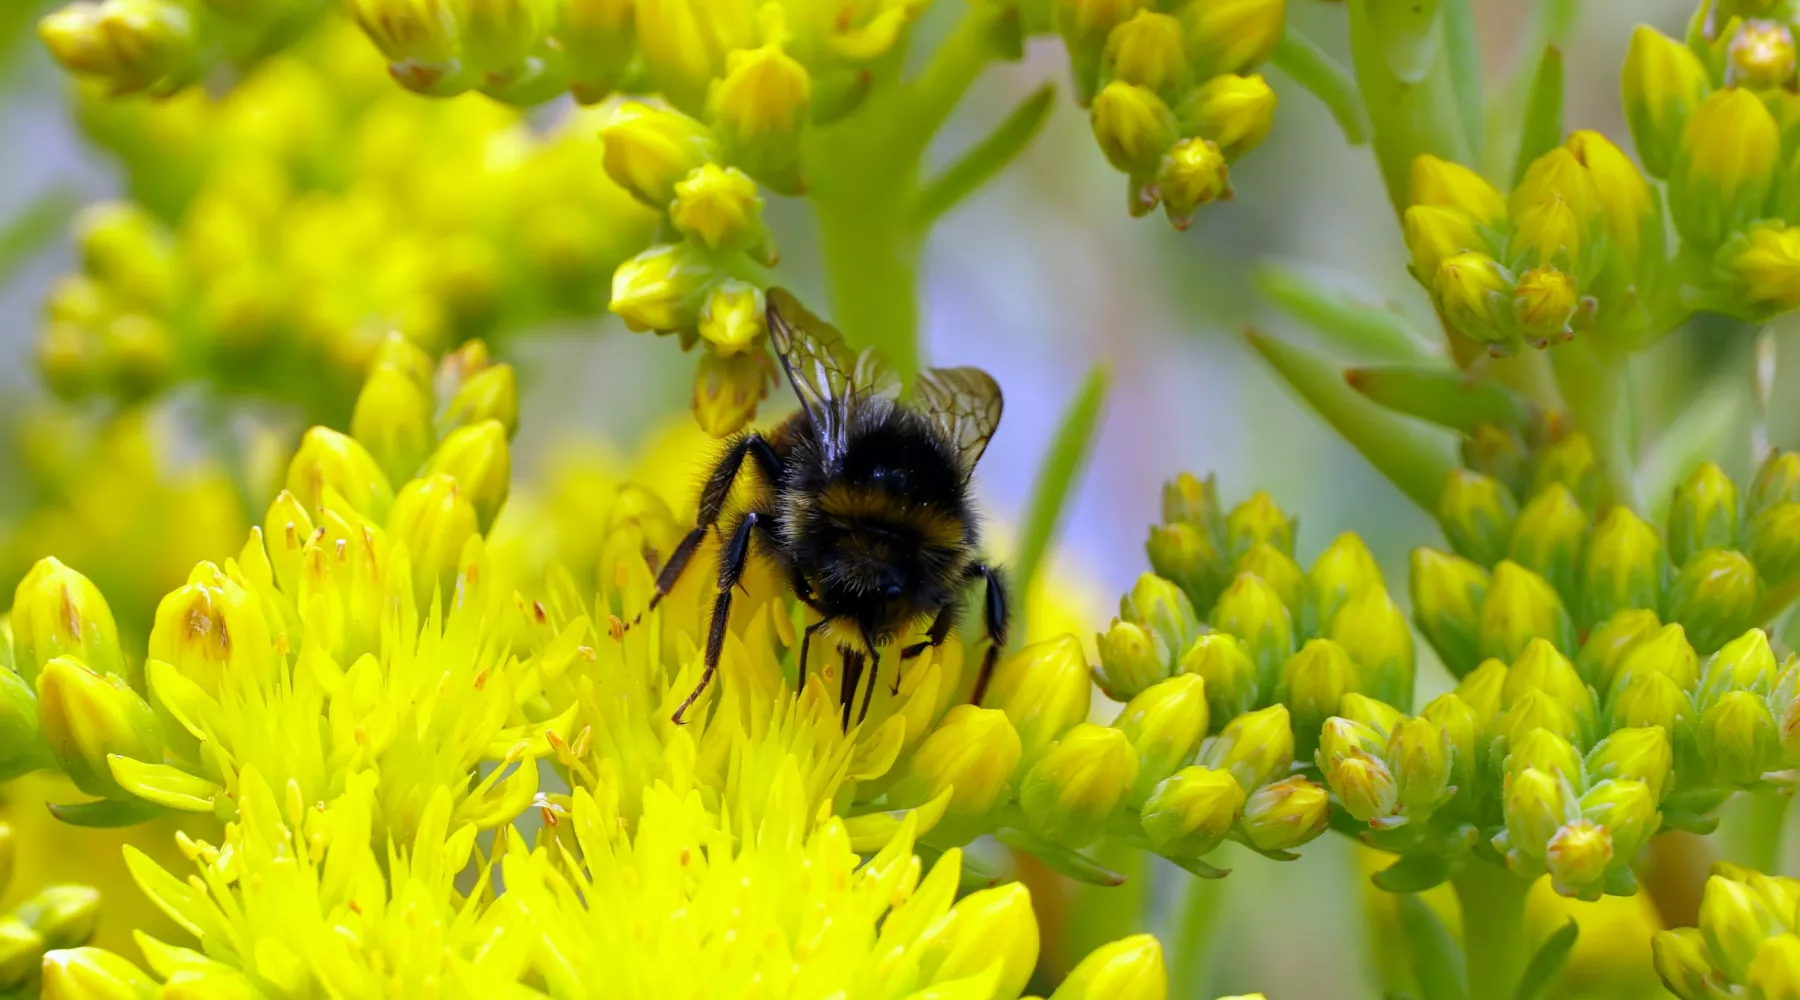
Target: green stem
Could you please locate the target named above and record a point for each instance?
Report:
(1197, 934)
(863, 176)
(1752, 827)
(1593, 385)
(1408, 119)
(1493, 914)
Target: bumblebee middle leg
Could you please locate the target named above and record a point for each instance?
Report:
(731, 571)
(995, 614)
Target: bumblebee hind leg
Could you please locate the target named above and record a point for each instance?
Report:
(731, 570)
(995, 614)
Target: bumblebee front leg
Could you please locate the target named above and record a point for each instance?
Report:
(995, 613)
(731, 570)
(934, 637)
(712, 506)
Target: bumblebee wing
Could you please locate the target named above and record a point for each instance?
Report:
(965, 403)
(818, 365)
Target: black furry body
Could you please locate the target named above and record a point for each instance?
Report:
(880, 539)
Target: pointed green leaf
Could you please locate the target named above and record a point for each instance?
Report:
(1463, 52)
(1326, 79)
(987, 158)
(1074, 864)
(1446, 398)
(1414, 873)
(1542, 129)
(1415, 459)
(1548, 963)
(107, 812)
(1437, 958)
(1199, 868)
(1056, 480)
(1365, 331)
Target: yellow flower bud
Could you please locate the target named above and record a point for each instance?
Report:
(1738, 739)
(1556, 175)
(63, 915)
(1578, 856)
(1745, 663)
(1189, 814)
(1233, 111)
(1365, 786)
(1663, 83)
(1548, 233)
(68, 359)
(433, 521)
(1044, 689)
(1716, 596)
(1443, 184)
(1255, 747)
(1230, 36)
(125, 247)
(1313, 681)
(760, 105)
(1437, 232)
(1165, 724)
(1129, 969)
(1735, 922)
(1183, 554)
(1080, 783)
(1548, 535)
(1085, 26)
(1193, 173)
(418, 31)
(1625, 197)
(1219, 659)
(1129, 662)
(1761, 56)
(1763, 269)
(1537, 804)
(132, 45)
(992, 925)
(93, 974)
(140, 351)
(727, 388)
(478, 458)
(1447, 594)
(661, 288)
(683, 44)
(974, 751)
(87, 716)
(393, 420)
(1634, 754)
(1146, 51)
(1775, 971)
(597, 37)
(21, 953)
(1474, 292)
(489, 394)
(1286, 814)
(1724, 168)
(1134, 127)
(1521, 606)
(211, 627)
(58, 612)
(1477, 514)
(1681, 960)
(648, 149)
(1419, 752)
(732, 317)
(719, 207)
(329, 460)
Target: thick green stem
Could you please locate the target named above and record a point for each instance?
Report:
(864, 183)
(1493, 914)
(1751, 830)
(1593, 387)
(1408, 118)
(1198, 932)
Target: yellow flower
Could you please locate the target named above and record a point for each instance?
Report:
(1451, 185)
(1765, 269)
(1724, 167)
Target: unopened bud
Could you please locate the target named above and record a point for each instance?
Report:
(1313, 681)
(1762, 268)
(1571, 462)
(1664, 81)
(1724, 167)
(727, 388)
(1543, 750)
(480, 461)
(1715, 596)
(732, 318)
(1537, 804)
(58, 612)
(1079, 784)
(87, 716)
(1738, 739)
(1734, 922)
(648, 149)
(1164, 725)
(1346, 569)
(1285, 815)
(1134, 128)
(1777, 482)
(1635, 754)
(973, 751)
(1761, 56)
(1435, 233)
(1364, 785)
(1650, 700)
(1442, 183)
(433, 521)
(1044, 689)
(1372, 629)
(1632, 219)
(393, 420)
(1775, 971)
(1233, 111)
(93, 974)
(1191, 174)
(759, 107)
(63, 915)
(1608, 643)
(1447, 596)
(662, 288)
(1163, 609)
(1475, 293)
(1232, 687)
(1255, 747)
(489, 394)
(1419, 753)
(1129, 662)
(1743, 664)
(1578, 856)
(1544, 301)
(1703, 514)
(1682, 962)
(1251, 610)
(1188, 499)
(1476, 513)
(1623, 568)
(1341, 737)
(719, 206)
(1146, 51)
(984, 928)
(1183, 553)
(1547, 537)
(329, 460)
(1189, 814)
(1230, 36)
(1128, 969)
(1521, 606)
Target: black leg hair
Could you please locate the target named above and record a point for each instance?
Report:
(731, 570)
(995, 613)
(805, 645)
(712, 505)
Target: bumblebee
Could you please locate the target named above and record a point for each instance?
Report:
(864, 505)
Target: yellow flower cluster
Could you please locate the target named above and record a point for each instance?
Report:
(161, 46)
(1170, 92)
(1746, 943)
(363, 691)
(285, 228)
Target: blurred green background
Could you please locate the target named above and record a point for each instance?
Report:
(1037, 278)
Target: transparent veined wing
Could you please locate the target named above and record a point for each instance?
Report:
(965, 403)
(830, 379)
